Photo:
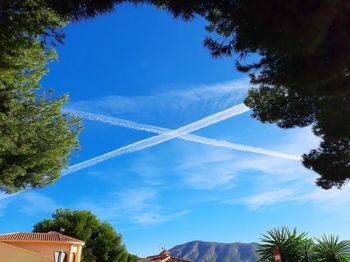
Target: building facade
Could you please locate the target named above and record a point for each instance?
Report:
(28, 247)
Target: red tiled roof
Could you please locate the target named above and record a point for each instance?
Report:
(163, 257)
(51, 236)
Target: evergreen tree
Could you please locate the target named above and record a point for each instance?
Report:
(35, 137)
(102, 242)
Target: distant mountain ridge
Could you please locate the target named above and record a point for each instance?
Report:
(200, 251)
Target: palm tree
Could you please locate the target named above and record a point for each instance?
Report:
(330, 249)
(308, 249)
(294, 247)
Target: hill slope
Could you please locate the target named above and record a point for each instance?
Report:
(199, 251)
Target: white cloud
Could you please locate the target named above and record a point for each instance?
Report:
(28, 202)
(300, 141)
(276, 172)
(210, 169)
(138, 206)
(136, 199)
(259, 200)
(5, 200)
(275, 181)
(119, 204)
(4, 196)
(33, 202)
(335, 203)
(206, 97)
(209, 179)
(213, 167)
(147, 169)
(141, 206)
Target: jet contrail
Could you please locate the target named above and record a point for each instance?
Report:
(117, 121)
(188, 137)
(239, 109)
(155, 140)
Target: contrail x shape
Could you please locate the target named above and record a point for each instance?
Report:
(194, 138)
(155, 140)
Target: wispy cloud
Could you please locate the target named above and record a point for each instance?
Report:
(332, 202)
(259, 200)
(214, 168)
(136, 199)
(4, 195)
(203, 167)
(5, 200)
(211, 169)
(33, 203)
(148, 218)
(209, 97)
(147, 168)
(206, 179)
(275, 182)
(139, 206)
(281, 181)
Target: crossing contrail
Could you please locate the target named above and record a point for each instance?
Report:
(155, 140)
(117, 121)
(188, 137)
(165, 135)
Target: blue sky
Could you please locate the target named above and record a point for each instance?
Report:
(140, 64)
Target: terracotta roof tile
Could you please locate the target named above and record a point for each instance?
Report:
(51, 236)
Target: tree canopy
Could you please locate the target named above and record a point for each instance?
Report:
(102, 242)
(35, 137)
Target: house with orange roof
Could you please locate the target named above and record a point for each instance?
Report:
(164, 256)
(39, 247)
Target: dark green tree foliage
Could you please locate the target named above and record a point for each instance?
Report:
(133, 258)
(22, 24)
(75, 10)
(278, 105)
(303, 74)
(35, 137)
(78, 224)
(332, 161)
(300, 42)
(102, 242)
